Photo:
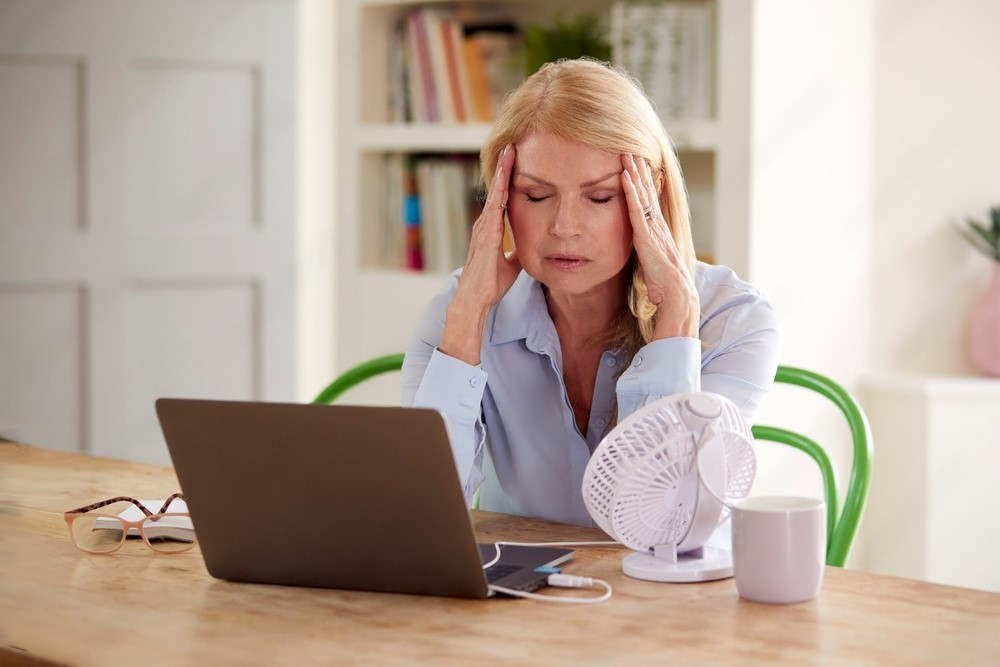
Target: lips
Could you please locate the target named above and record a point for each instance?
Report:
(567, 262)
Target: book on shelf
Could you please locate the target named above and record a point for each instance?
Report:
(433, 244)
(668, 47)
(398, 58)
(406, 103)
(392, 251)
(433, 19)
(481, 104)
(413, 241)
(458, 70)
(495, 50)
(437, 201)
(444, 185)
(447, 69)
(423, 87)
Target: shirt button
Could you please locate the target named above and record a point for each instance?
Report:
(611, 362)
(602, 422)
(473, 382)
(637, 362)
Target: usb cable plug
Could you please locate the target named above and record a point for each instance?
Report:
(569, 581)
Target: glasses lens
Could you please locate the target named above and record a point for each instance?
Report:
(169, 532)
(98, 533)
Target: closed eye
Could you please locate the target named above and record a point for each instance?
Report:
(601, 200)
(532, 198)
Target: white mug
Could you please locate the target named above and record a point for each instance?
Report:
(779, 548)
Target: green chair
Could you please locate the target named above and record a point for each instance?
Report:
(358, 374)
(842, 524)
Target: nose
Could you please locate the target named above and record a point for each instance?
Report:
(566, 221)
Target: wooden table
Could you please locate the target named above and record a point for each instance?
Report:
(138, 606)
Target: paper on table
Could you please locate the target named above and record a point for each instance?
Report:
(175, 527)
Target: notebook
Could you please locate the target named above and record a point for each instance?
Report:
(334, 496)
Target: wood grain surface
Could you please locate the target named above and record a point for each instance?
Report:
(65, 606)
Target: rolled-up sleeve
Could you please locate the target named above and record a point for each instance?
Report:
(432, 379)
(742, 366)
(660, 368)
(735, 356)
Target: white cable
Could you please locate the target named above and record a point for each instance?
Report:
(562, 581)
(558, 579)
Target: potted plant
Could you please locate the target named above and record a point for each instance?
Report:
(985, 238)
(581, 34)
(984, 319)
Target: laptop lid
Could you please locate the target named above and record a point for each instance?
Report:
(333, 496)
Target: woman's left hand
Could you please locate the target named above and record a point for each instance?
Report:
(668, 279)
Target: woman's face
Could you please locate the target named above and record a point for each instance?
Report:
(568, 215)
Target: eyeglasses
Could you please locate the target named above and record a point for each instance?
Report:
(105, 532)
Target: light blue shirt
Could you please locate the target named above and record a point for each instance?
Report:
(512, 429)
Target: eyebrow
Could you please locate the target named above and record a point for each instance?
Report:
(599, 179)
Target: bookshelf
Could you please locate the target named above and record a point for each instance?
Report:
(378, 304)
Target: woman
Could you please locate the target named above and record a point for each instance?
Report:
(599, 310)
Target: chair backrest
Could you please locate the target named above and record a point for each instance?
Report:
(842, 523)
(358, 374)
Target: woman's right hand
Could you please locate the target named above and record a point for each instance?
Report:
(488, 273)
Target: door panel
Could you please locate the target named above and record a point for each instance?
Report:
(147, 217)
(42, 373)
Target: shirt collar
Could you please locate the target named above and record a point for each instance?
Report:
(523, 315)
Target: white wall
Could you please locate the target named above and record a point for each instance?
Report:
(811, 158)
(937, 159)
(317, 167)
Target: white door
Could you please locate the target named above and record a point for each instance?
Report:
(146, 214)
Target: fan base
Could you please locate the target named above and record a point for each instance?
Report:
(713, 564)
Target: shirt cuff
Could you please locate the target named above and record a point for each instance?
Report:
(660, 368)
(453, 386)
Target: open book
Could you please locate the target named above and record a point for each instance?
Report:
(170, 527)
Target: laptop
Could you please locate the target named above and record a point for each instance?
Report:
(335, 496)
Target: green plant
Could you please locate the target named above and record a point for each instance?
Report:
(579, 35)
(984, 238)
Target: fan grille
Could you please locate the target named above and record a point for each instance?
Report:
(641, 486)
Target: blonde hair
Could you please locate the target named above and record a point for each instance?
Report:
(601, 106)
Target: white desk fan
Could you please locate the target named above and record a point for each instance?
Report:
(661, 481)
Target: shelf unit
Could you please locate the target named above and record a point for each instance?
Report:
(688, 135)
(937, 453)
(377, 306)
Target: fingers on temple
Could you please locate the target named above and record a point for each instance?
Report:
(645, 195)
(497, 197)
(634, 197)
(648, 189)
(647, 178)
